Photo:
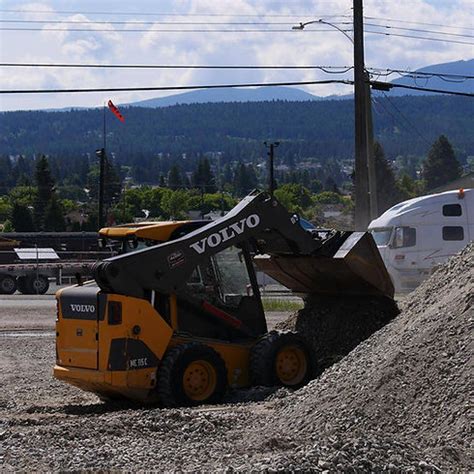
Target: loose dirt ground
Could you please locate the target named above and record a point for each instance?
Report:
(47, 425)
(396, 403)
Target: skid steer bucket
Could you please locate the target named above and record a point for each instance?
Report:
(355, 268)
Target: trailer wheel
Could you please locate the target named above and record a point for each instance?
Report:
(22, 284)
(37, 285)
(280, 359)
(7, 285)
(191, 374)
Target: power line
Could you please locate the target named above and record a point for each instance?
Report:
(326, 69)
(412, 126)
(121, 13)
(448, 77)
(420, 74)
(418, 37)
(133, 22)
(420, 30)
(418, 23)
(173, 88)
(211, 23)
(220, 30)
(141, 30)
(394, 118)
(378, 85)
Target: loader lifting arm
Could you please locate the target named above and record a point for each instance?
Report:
(300, 260)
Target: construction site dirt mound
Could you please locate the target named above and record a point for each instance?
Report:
(400, 400)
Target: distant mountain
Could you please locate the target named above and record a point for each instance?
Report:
(261, 94)
(258, 94)
(457, 85)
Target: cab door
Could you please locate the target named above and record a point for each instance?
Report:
(77, 327)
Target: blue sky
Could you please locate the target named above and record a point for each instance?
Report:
(316, 45)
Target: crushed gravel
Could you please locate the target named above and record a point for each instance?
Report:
(401, 399)
(333, 326)
(399, 402)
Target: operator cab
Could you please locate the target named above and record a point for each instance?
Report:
(221, 296)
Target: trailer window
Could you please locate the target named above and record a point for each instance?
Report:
(453, 233)
(452, 210)
(381, 235)
(404, 237)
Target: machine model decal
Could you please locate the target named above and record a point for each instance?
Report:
(138, 363)
(176, 259)
(130, 354)
(226, 233)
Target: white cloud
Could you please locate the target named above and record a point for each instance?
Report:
(286, 47)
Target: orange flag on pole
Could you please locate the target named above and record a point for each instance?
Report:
(115, 111)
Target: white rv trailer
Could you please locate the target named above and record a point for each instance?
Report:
(417, 235)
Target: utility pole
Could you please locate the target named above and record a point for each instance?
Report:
(271, 154)
(362, 205)
(101, 155)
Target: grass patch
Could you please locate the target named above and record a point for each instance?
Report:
(281, 304)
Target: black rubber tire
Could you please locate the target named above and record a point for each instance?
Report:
(37, 285)
(22, 284)
(263, 360)
(8, 285)
(170, 388)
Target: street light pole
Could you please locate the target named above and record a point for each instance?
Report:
(365, 184)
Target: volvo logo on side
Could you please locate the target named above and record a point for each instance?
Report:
(226, 233)
(83, 308)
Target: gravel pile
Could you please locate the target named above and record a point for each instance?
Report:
(333, 326)
(400, 400)
(397, 403)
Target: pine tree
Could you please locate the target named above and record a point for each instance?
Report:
(54, 216)
(388, 193)
(175, 178)
(45, 189)
(21, 218)
(441, 165)
(113, 184)
(203, 177)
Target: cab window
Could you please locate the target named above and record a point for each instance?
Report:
(404, 237)
(452, 210)
(453, 233)
(381, 235)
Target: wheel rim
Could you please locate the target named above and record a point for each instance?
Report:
(291, 365)
(38, 285)
(7, 284)
(199, 380)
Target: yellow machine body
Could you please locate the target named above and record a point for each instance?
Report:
(115, 355)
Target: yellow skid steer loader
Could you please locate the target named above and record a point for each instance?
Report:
(177, 318)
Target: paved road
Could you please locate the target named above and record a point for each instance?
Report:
(38, 312)
(25, 312)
